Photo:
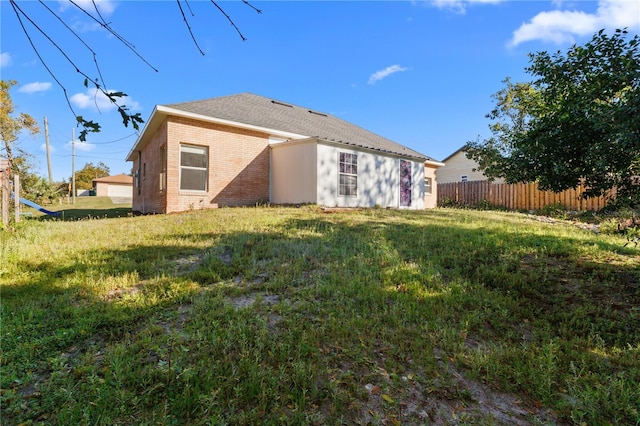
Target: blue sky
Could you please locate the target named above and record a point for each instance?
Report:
(418, 72)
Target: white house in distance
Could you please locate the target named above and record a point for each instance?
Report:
(247, 149)
(458, 168)
(114, 186)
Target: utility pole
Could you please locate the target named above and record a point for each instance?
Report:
(73, 164)
(46, 140)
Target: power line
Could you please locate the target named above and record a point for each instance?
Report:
(117, 140)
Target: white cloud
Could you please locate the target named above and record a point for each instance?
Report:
(5, 59)
(460, 6)
(35, 87)
(560, 26)
(106, 7)
(95, 99)
(80, 22)
(80, 146)
(43, 148)
(379, 75)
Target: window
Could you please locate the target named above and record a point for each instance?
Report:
(163, 168)
(348, 175)
(193, 168)
(138, 171)
(427, 185)
(464, 178)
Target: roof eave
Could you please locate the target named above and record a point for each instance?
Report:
(434, 163)
(368, 148)
(453, 153)
(151, 121)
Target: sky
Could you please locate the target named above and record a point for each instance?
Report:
(420, 73)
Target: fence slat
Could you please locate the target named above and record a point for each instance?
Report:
(517, 196)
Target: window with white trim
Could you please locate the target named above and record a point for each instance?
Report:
(163, 168)
(427, 185)
(348, 174)
(464, 178)
(193, 167)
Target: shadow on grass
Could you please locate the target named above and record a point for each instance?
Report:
(82, 214)
(358, 293)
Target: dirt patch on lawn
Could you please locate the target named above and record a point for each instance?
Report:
(451, 399)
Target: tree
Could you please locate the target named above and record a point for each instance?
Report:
(28, 26)
(577, 121)
(86, 175)
(10, 128)
(40, 190)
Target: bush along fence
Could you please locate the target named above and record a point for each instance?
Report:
(518, 196)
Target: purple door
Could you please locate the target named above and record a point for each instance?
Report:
(405, 183)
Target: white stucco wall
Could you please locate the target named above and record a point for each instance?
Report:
(293, 177)
(378, 179)
(418, 196)
(307, 172)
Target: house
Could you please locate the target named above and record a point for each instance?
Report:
(114, 186)
(246, 149)
(458, 168)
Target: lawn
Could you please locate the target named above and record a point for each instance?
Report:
(299, 316)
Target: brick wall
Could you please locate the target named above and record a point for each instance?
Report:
(238, 165)
(149, 198)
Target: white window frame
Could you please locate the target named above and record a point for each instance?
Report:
(464, 178)
(163, 168)
(194, 149)
(428, 184)
(347, 173)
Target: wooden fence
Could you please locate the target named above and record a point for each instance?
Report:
(519, 196)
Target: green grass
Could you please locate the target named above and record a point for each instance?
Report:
(295, 316)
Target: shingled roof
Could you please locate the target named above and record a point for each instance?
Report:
(121, 178)
(265, 113)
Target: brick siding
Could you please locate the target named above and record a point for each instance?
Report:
(148, 198)
(238, 167)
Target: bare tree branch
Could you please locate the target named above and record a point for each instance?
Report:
(88, 126)
(93, 53)
(186, 22)
(107, 26)
(19, 11)
(99, 82)
(252, 7)
(230, 20)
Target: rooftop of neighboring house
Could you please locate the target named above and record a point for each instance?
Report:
(121, 179)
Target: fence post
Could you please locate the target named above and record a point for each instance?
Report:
(16, 197)
(4, 174)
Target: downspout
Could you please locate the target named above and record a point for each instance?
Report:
(270, 174)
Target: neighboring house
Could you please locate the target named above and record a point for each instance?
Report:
(114, 186)
(458, 168)
(246, 149)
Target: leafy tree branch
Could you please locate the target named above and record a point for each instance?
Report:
(576, 122)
